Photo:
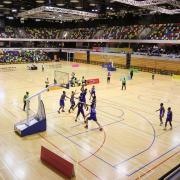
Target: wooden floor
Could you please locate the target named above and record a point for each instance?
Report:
(132, 145)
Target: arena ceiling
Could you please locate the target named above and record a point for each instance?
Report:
(106, 8)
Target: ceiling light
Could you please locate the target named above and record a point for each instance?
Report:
(7, 2)
(60, 4)
(79, 7)
(92, 4)
(40, 1)
(74, 1)
(14, 10)
(10, 17)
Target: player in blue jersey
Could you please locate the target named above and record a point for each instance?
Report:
(92, 116)
(72, 101)
(161, 113)
(94, 100)
(92, 92)
(62, 102)
(169, 118)
(80, 107)
(83, 98)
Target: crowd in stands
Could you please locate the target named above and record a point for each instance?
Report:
(165, 32)
(155, 50)
(169, 31)
(22, 56)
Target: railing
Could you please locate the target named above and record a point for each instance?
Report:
(93, 40)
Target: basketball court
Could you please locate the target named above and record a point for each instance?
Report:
(132, 144)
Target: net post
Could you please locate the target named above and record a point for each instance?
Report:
(27, 110)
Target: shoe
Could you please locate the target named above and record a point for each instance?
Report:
(63, 110)
(75, 120)
(86, 126)
(164, 129)
(100, 129)
(59, 112)
(170, 128)
(69, 111)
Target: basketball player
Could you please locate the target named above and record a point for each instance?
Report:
(124, 83)
(83, 81)
(47, 83)
(82, 87)
(61, 102)
(24, 100)
(153, 76)
(72, 101)
(161, 113)
(131, 74)
(108, 77)
(169, 118)
(92, 92)
(92, 116)
(83, 98)
(94, 100)
(43, 67)
(72, 75)
(80, 106)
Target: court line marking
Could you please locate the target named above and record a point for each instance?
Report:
(52, 144)
(140, 97)
(104, 139)
(107, 115)
(99, 117)
(91, 130)
(154, 133)
(62, 151)
(71, 135)
(70, 156)
(142, 167)
(57, 147)
(156, 166)
(68, 138)
(166, 131)
(80, 145)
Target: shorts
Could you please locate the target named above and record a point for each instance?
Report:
(161, 116)
(61, 103)
(72, 103)
(83, 101)
(92, 118)
(80, 111)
